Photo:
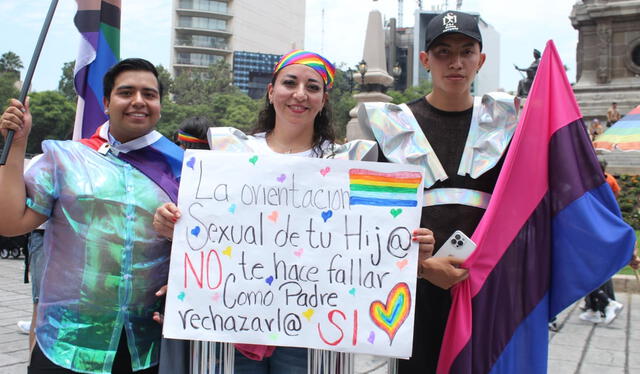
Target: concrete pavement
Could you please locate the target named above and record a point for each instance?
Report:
(578, 348)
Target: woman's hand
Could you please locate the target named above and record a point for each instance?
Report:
(444, 272)
(159, 316)
(426, 242)
(165, 219)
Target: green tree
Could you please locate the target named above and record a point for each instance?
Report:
(411, 93)
(198, 87)
(342, 101)
(8, 89)
(164, 76)
(53, 117)
(66, 85)
(10, 62)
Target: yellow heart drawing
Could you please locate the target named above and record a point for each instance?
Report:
(227, 251)
(308, 314)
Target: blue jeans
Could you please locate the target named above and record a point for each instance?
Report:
(36, 262)
(284, 360)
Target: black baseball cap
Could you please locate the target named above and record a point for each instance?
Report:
(452, 21)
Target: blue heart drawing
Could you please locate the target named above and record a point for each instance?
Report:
(232, 208)
(372, 337)
(191, 162)
(181, 296)
(326, 215)
(195, 231)
(269, 280)
(352, 291)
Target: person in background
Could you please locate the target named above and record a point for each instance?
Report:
(601, 304)
(613, 115)
(192, 133)
(596, 129)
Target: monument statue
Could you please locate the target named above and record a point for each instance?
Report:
(524, 85)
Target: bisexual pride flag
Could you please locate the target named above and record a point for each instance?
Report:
(368, 187)
(98, 21)
(551, 234)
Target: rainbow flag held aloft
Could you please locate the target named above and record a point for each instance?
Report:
(368, 187)
(624, 135)
(551, 234)
(98, 21)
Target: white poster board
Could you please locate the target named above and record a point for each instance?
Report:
(293, 251)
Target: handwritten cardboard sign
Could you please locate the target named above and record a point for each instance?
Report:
(293, 251)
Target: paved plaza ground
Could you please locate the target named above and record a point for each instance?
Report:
(578, 348)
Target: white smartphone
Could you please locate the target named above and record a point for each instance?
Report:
(458, 245)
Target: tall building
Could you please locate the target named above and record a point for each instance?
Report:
(206, 31)
(252, 71)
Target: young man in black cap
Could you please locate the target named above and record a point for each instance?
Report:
(462, 154)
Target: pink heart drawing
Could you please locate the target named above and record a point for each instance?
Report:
(299, 252)
(273, 217)
(402, 263)
(215, 297)
(325, 171)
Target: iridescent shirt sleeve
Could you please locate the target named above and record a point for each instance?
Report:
(39, 179)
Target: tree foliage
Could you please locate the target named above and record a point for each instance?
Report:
(198, 87)
(66, 85)
(342, 101)
(53, 117)
(411, 93)
(10, 62)
(8, 89)
(164, 76)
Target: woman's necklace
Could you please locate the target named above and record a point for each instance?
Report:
(276, 146)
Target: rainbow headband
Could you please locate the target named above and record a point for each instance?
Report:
(313, 60)
(184, 137)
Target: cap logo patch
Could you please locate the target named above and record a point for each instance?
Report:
(449, 22)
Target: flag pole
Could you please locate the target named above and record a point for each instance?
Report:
(29, 76)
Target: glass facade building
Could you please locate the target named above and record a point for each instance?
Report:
(252, 71)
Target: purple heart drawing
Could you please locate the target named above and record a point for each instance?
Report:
(281, 178)
(191, 162)
(326, 215)
(269, 280)
(195, 231)
(372, 337)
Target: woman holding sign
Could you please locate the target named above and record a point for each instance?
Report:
(296, 120)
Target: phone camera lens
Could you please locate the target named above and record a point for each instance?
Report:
(460, 243)
(453, 241)
(457, 236)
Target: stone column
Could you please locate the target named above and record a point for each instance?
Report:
(376, 79)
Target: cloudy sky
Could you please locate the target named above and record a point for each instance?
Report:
(522, 25)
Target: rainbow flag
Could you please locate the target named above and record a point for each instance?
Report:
(624, 135)
(369, 187)
(551, 234)
(98, 21)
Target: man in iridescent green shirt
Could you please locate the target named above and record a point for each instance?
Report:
(104, 262)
